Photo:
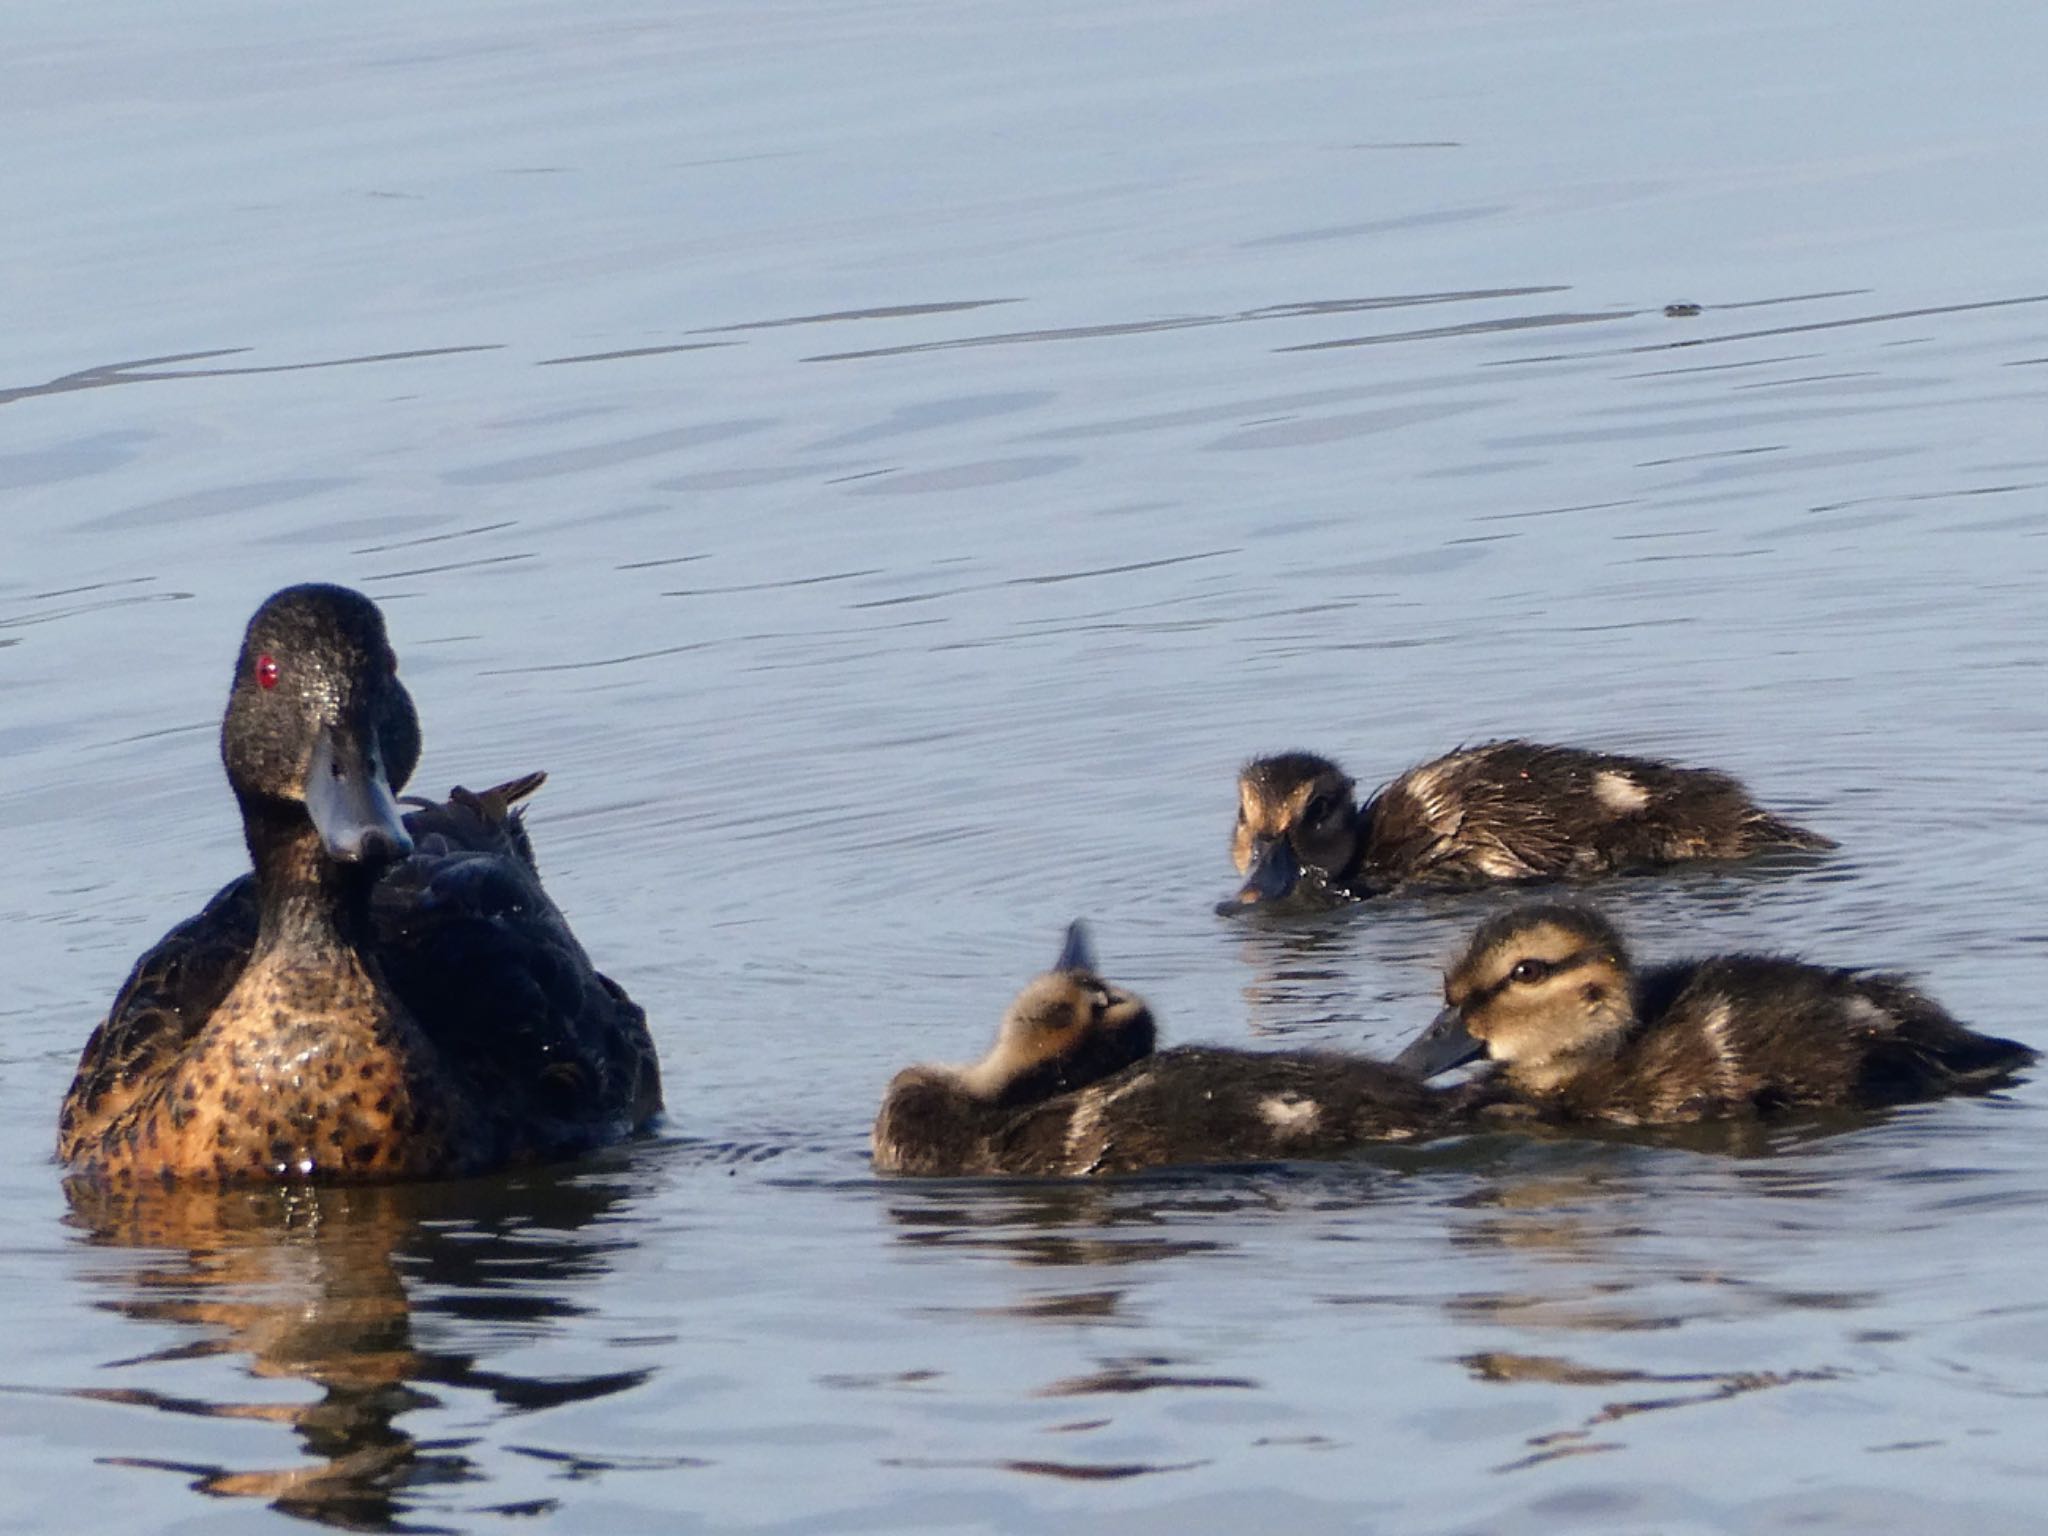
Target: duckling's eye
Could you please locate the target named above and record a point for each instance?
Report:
(266, 671)
(1318, 809)
(1098, 1005)
(1529, 970)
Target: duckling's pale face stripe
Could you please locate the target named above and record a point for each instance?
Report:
(1619, 792)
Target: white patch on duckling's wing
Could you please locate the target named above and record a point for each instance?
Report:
(1714, 1030)
(1427, 786)
(1087, 1146)
(1501, 863)
(1863, 1015)
(1618, 792)
(1291, 1114)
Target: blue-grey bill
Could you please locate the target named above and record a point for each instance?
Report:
(1078, 952)
(1442, 1046)
(350, 802)
(1275, 872)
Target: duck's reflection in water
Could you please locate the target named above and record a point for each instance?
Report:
(1361, 977)
(1062, 1224)
(1599, 1233)
(1302, 975)
(321, 1285)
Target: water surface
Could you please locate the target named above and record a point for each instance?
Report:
(889, 464)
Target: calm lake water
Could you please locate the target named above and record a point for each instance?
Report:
(890, 463)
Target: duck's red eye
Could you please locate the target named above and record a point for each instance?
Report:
(266, 671)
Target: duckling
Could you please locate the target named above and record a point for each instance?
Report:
(1073, 1087)
(1549, 994)
(1502, 811)
(386, 997)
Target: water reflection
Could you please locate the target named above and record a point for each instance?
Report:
(1694, 1388)
(1583, 1233)
(1054, 1224)
(321, 1286)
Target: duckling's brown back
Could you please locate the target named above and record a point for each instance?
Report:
(1518, 810)
(1751, 1034)
(1200, 1104)
(1183, 1107)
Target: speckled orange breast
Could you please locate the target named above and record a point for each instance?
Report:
(304, 1072)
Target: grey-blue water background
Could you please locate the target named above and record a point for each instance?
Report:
(889, 463)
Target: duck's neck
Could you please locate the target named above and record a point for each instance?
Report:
(310, 903)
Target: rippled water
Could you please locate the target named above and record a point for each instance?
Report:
(890, 463)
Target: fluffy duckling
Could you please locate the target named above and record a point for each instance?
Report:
(1548, 993)
(1503, 811)
(386, 997)
(1073, 1087)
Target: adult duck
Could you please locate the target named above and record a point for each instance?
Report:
(386, 997)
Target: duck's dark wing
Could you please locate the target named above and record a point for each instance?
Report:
(168, 996)
(487, 966)
(492, 822)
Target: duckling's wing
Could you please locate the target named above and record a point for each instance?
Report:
(1568, 811)
(1521, 810)
(1474, 816)
(1916, 1048)
(169, 995)
(1768, 1032)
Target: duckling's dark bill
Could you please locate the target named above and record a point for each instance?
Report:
(1442, 1046)
(1077, 953)
(350, 802)
(1274, 874)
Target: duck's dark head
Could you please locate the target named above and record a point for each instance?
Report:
(1296, 815)
(1542, 989)
(318, 724)
(1067, 1028)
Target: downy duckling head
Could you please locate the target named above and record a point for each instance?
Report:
(318, 725)
(1067, 1028)
(1544, 990)
(1296, 814)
